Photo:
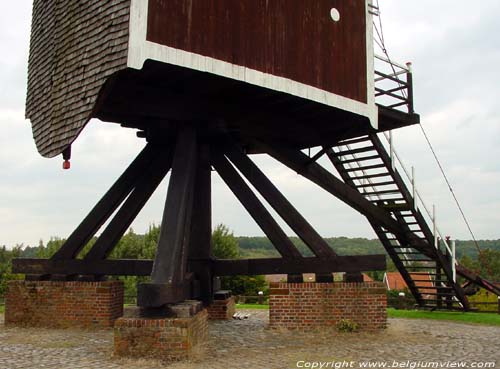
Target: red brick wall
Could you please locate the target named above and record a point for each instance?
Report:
(63, 304)
(222, 309)
(164, 339)
(319, 305)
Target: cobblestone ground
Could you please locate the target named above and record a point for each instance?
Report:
(249, 344)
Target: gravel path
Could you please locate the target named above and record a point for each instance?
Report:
(249, 344)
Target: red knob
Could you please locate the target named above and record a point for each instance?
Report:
(66, 164)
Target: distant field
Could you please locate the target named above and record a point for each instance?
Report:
(477, 318)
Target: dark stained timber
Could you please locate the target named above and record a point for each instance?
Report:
(299, 162)
(255, 208)
(294, 39)
(200, 245)
(132, 206)
(279, 203)
(168, 258)
(168, 284)
(218, 267)
(106, 206)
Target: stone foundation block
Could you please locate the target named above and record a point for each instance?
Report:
(309, 306)
(63, 304)
(168, 339)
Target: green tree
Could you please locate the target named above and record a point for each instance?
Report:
(6, 274)
(224, 244)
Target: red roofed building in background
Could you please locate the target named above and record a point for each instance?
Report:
(394, 281)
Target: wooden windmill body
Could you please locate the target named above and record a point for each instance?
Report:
(207, 83)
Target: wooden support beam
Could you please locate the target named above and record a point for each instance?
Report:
(356, 263)
(298, 266)
(147, 184)
(83, 267)
(279, 202)
(299, 162)
(254, 207)
(106, 206)
(166, 267)
(200, 246)
(168, 277)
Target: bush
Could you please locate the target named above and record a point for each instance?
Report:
(347, 325)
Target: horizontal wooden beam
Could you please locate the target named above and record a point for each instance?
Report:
(81, 266)
(356, 263)
(295, 266)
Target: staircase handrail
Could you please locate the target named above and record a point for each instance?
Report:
(398, 75)
(396, 160)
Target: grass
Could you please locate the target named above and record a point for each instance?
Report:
(2, 309)
(477, 318)
(252, 306)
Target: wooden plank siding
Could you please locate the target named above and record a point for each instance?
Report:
(75, 46)
(280, 69)
(294, 39)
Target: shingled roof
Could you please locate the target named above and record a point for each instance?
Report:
(75, 46)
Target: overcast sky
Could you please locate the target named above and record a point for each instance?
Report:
(455, 50)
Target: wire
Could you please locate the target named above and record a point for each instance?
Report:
(480, 252)
(381, 43)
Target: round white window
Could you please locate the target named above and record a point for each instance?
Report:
(335, 15)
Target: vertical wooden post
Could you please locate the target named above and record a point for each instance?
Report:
(169, 267)
(166, 268)
(200, 247)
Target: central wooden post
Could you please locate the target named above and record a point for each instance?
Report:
(169, 282)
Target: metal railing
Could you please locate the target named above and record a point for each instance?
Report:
(393, 85)
(429, 216)
(440, 242)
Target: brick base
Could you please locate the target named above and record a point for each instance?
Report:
(323, 305)
(63, 304)
(167, 339)
(222, 309)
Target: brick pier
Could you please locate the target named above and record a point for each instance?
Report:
(223, 306)
(63, 304)
(170, 339)
(322, 305)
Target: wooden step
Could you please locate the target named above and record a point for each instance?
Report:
(368, 176)
(394, 207)
(354, 151)
(420, 260)
(432, 280)
(382, 192)
(353, 141)
(359, 169)
(387, 183)
(359, 159)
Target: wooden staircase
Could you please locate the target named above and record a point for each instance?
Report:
(425, 263)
